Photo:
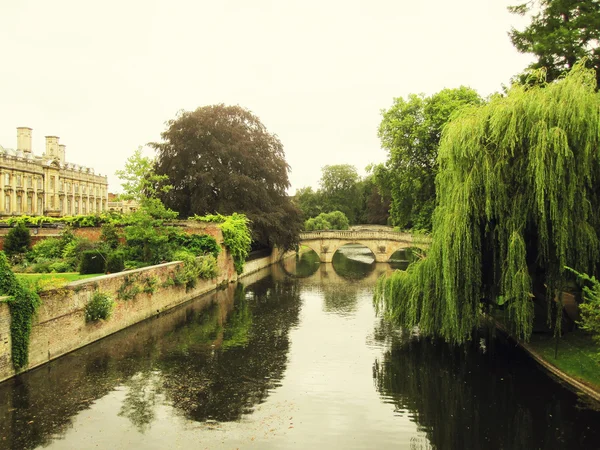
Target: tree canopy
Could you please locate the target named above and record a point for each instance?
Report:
(517, 202)
(561, 33)
(410, 132)
(221, 159)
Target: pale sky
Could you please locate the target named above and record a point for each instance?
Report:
(106, 76)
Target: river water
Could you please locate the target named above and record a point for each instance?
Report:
(294, 358)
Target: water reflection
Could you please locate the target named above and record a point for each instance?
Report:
(466, 399)
(214, 362)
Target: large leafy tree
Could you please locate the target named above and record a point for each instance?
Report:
(410, 131)
(221, 159)
(339, 186)
(517, 202)
(561, 32)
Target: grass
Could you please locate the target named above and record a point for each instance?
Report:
(577, 355)
(52, 280)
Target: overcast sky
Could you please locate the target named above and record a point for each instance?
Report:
(106, 76)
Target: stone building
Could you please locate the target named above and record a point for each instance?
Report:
(47, 184)
(121, 206)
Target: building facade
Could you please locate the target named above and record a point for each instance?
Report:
(47, 184)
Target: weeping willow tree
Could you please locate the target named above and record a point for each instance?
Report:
(518, 196)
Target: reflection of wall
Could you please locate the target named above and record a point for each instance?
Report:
(60, 325)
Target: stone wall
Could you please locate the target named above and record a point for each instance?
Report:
(60, 325)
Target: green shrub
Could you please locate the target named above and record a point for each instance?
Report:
(42, 267)
(60, 267)
(129, 289)
(18, 240)
(46, 248)
(207, 267)
(115, 262)
(92, 261)
(99, 307)
(150, 285)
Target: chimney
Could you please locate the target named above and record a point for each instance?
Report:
(24, 139)
(61, 153)
(51, 147)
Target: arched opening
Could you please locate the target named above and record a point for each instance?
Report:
(304, 265)
(353, 261)
(402, 258)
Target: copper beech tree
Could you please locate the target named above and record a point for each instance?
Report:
(222, 159)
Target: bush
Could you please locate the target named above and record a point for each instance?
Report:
(41, 267)
(60, 267)
(99, 307)
(18, 240)
(47, 248)
(92, 261)
(115, 262)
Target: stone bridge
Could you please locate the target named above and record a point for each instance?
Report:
(382, 243)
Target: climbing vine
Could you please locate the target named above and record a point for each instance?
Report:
(236, 235)
(23, 304)
(517, 202)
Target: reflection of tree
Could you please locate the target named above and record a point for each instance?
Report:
(193, 357)
(230, 380)
(140, 400)
(463, 399)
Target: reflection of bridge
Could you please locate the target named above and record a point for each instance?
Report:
(382, 243)
(325, 274)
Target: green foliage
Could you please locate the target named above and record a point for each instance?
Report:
(335, 220)
(236, 235)
(18, 240)
(590, 308)
(193, 268)
(110, 235)
(222, 158)
(410, 131)
(92, 261)
(517, 202)
(23, 305)
(92, 220)
(150, 285)
(99, 307)
(340, 190)
(115, 262)
(60, 267)
(198, 244)
(129, 289)
(561, 33)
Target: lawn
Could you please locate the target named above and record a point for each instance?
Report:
(577, 355)
(52, 280)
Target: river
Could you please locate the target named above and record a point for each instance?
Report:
(293, 358)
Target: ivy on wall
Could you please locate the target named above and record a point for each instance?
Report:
(236, 235)
(23, 304)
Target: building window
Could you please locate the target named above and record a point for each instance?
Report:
(7, 203)
(83, 208)
(62, 205)
(7, 179)
(61, 185)
(76, 207)
(40, 208)
(18, 180)
(39, 184)
(19, 202)
(52, 184)
(77, 189)
(29, 205)
(52, 202)
(69, 206)
(29, 181)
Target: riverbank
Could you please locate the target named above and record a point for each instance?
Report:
(575, 365)
(60, 326)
